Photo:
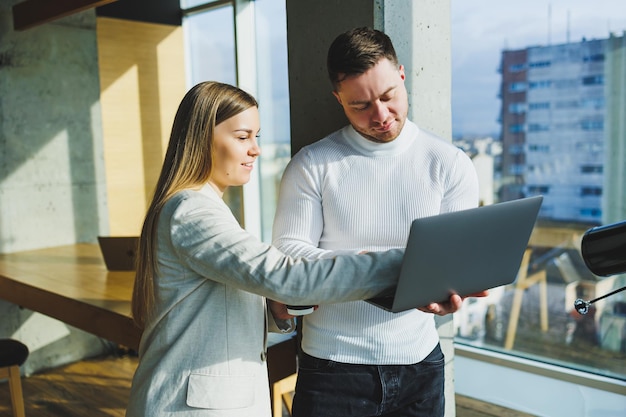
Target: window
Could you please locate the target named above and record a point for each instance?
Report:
(591, 212)
(590, 191)
(534, 85)
(539, 106)
(539, 64)
(593, 80)
(591, 147)
(567, 104)
(593, 58)
(538, 127)
(517, 87)
(591, 169)
(596, 103)
(273, 95)
(592, 125)
(210, 47)
(538, 189)
(566, 83)
(212, 43)
(517, 108)
(575, 158)
(516, 169)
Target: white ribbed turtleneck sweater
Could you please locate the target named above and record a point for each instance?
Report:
(345, 193)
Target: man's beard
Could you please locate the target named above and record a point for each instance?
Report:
(384, 137)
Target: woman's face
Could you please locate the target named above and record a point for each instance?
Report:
(235, 149)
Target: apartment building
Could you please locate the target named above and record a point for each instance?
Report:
(557, 133)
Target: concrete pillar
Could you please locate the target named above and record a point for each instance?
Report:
(420, 31)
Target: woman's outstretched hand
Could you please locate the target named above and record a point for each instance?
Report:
(279, 310)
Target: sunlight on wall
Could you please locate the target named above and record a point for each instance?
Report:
(51, 168)
(142, 80)
(37, 339)
(122, 153)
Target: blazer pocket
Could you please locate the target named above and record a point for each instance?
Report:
(220, 392)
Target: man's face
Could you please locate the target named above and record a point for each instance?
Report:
(375, 102)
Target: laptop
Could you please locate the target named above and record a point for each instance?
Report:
(119, 252)
(462, 252)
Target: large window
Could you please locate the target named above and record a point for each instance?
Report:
(536, 319)
(210, 42)
(210, 51)
(220, 36)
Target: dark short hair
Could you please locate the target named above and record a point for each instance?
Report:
(356, 51)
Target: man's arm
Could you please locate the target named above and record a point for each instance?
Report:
(299, 223)
(461, 185)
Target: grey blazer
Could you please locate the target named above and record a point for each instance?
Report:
(202, 352)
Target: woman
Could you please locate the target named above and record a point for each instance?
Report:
(201, 281)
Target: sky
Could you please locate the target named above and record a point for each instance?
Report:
(481, 29)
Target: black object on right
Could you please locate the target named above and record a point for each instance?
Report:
(603, 249)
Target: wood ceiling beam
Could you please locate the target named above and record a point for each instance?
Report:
(31, 13)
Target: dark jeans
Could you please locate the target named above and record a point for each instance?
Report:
(332, 389)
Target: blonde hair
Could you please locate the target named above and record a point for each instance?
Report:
(187, 164)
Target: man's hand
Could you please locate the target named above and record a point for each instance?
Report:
(454, 303)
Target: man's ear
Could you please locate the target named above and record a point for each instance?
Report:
(336, 94)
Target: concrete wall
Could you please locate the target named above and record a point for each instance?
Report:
(311, 27)
(51, 165)
(420, 30)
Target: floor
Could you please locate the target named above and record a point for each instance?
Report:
(99, 388)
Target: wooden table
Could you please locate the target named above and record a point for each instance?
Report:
(72, 284)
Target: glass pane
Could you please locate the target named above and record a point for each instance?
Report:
(273, 95)
(210, 40)
(188, 4)
(546, 123)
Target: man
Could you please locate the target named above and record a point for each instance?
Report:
(358, 190)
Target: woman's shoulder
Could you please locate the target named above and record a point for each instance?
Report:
(200, 195)
(190, 200)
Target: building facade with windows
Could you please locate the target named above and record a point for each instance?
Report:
(554, 118)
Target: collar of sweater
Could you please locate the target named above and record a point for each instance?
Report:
(398, 145)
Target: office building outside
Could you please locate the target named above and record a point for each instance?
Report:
(563, 128)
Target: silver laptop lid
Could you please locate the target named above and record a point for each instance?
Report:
(464, 252)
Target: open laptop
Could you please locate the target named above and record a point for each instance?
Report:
(462, 252)
(119, 252)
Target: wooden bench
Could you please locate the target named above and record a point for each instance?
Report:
(71, 284)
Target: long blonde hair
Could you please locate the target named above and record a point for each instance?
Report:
(187, 164)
